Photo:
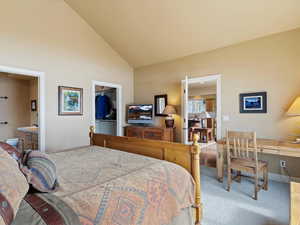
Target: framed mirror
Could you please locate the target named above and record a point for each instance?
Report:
(160, 102)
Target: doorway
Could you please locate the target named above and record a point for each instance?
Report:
(22, 101)
(201, 109)
(107, 108)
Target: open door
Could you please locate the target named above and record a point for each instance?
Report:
(185, 105)
(187, 88)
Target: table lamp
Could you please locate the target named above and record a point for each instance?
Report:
(170, 111)
(294, 110)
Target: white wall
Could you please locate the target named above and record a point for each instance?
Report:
(48, 36)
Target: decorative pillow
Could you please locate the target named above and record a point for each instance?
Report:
(13, 188)
(11, 150)
(40, 171)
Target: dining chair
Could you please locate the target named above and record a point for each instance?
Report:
(242, 158)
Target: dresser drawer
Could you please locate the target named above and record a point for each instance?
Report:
(154, 134)
(134, 132)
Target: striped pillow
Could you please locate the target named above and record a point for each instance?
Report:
(40, 171)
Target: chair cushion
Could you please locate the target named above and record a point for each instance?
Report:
(40, 171)
(11, 150)
(13, 187)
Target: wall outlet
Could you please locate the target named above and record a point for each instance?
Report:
(282, 163)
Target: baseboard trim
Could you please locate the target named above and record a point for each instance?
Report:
(272, 176)
(283, 178)
(280, 178)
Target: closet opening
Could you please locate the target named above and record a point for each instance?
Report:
(107, 108)
(22, 108)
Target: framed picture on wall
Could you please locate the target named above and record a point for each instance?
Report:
(160, 102)
(70, 101)
(253, 102)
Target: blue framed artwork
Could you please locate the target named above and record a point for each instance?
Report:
(70, 101)
(253, 102)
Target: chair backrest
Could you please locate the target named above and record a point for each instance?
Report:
(237, 144)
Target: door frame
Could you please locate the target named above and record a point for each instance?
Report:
(118, 104)
(217, 78)
(41, 96)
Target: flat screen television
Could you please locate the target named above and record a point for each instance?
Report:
(141, 114)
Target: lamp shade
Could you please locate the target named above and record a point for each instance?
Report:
(204, 115)
(294, 110)
(169, 109)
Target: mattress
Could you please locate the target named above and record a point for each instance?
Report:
(109, 187)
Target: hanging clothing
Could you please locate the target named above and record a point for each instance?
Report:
(103, 106)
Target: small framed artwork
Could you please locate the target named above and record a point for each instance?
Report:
(253, 102)
(70, 101)
(160, 103)
(33, 105)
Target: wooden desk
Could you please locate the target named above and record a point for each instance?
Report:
(266, 146)
(295, 204)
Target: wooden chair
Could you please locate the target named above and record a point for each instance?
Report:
(242, 159)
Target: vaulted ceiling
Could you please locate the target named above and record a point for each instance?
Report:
(145, 32)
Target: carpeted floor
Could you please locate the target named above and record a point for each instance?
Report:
(237, 207)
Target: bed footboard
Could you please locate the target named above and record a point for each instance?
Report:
(187, 156)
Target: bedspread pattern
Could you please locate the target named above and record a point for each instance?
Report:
(110, 187)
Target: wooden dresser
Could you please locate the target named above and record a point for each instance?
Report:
(154, 133)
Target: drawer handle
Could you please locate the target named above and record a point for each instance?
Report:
(3, 122)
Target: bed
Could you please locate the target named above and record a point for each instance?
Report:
(125, 181)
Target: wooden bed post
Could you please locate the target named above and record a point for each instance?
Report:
(196, 175)
(92, 130)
